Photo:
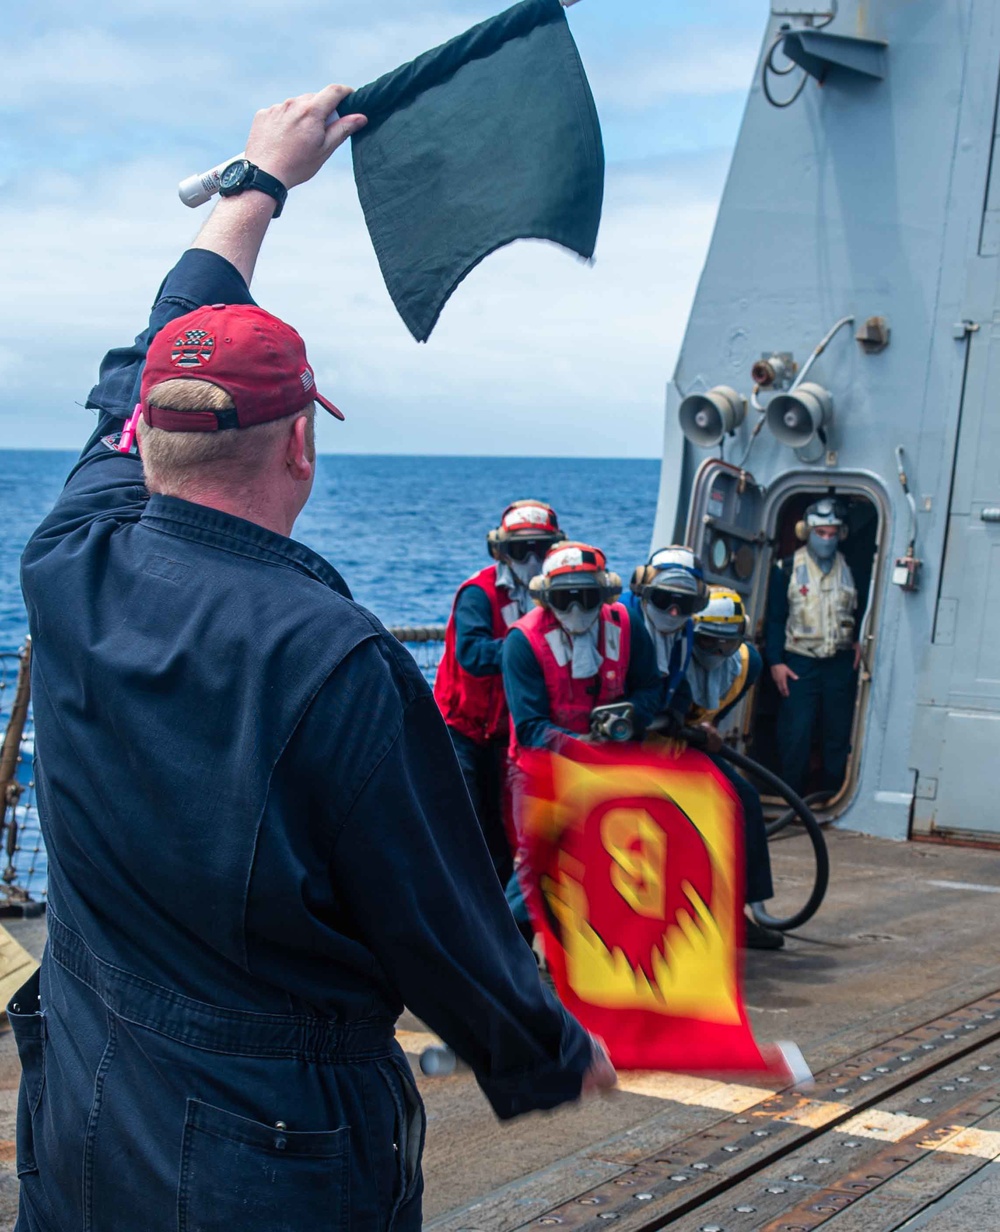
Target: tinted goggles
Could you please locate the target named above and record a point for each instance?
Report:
(562, 598)
(712, 644)
(670, 601)
(519, 550)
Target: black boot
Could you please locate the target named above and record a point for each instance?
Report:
(757, 937)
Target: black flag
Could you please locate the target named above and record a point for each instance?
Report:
(489, 138)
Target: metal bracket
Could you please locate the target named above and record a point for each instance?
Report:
(817, 52)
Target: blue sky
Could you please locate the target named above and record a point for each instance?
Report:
(106, 106)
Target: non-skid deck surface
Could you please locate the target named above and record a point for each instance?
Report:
(903, 954)
(907, 934)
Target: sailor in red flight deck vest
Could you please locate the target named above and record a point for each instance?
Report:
(578, 649)
(469, 686)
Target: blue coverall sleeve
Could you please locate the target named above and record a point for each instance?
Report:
(777, 616)
(105, 483)
(643, 680)
(477, 650)
(527, 696)
(412, 868)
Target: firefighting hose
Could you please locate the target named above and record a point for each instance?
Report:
(698, 739)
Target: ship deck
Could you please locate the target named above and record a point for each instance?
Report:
(893, 994)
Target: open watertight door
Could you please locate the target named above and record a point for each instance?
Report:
(725, 528)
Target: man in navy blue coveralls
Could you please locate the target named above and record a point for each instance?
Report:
(260, 842)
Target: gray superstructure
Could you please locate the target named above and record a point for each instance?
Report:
(874, 195)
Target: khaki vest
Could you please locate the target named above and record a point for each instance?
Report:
(820, 607)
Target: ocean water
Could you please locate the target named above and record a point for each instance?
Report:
(403, 531)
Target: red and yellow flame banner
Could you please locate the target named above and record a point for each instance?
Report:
(635, 882)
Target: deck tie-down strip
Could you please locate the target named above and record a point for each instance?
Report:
(683, 1176)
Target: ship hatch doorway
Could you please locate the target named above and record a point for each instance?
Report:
(742, 530)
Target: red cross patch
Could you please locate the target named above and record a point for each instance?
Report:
(803, 590)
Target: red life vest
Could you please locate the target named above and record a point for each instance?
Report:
(571, 701)
(475, 705)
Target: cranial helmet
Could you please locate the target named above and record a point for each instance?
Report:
(825, 512)
(571, 565)
(675, 569)
(525, 520)
(723, 617)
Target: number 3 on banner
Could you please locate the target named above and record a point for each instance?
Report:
(638, 848)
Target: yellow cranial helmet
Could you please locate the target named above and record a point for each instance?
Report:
(723, 617)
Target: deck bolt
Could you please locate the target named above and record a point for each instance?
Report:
(867, 1078)
(678, 1177)
(985, 1068)
(949, 1035)
(643, 1197)
(607, 1215)
(761, 1133)
(796, 1176)
(745, 1210)
(851, 1145)
(742, 1121)
(926, 1099)
(906, 1057)
(731, 1149)
(822, 1160)
(841, 1090)
(711, 1227)
(970, 1026)
(776, 1189)
(947, 1087)
(881, 1069)
(701, 1167)
(964, 1078)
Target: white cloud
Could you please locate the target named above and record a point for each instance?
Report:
(535, 352)
(109, 105)
(702, 63)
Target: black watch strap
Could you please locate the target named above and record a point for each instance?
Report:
(263, 182)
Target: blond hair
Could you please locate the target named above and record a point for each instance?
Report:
(174, 461)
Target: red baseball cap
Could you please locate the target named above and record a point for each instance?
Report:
(257, 359)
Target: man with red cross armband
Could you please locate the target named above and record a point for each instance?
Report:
(579, 649)
(469, 686)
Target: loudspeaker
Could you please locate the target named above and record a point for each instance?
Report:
(796, 417)
(706, 418)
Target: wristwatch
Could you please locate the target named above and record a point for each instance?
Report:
(242, 174)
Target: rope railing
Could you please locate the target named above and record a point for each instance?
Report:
(425, 643)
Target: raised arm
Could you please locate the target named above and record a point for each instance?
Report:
(290, 141)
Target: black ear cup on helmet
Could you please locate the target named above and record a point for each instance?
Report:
(640, 579)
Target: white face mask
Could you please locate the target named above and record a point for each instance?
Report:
(710, 660)
(525, 570)
(577, 620)
(663, 622)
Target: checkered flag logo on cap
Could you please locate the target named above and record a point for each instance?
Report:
(192, 349)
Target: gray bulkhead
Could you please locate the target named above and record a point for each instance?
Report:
(872, 195)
